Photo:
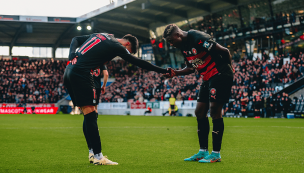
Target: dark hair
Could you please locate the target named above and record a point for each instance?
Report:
(134, 42)
(169, 30)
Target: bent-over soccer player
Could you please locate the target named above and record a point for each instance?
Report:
(95, 51)
(213, 63)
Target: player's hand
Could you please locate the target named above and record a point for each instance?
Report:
(171, 73)
(73, 57)
(103, 89)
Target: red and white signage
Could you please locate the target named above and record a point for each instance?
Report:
(38, 110)
(138, 105)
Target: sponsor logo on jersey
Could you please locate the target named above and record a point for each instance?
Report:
(207, 45)
(185, 52)
(194, 51)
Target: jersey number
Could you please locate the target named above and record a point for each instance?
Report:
(94, 41)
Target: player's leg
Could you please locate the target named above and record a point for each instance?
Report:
(217, 133)
(203, 126)
(85, 97)
(90, 116)
(89, 143)
(220, 88)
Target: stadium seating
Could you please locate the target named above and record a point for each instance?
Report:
(32, 81)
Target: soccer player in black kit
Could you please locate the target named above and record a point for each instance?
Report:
(94, 51)
(213, 63)
(99, 90)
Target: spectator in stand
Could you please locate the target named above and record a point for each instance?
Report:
(244, 102)
(149, 110)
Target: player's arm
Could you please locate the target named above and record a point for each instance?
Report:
(224, 52)
(76, 42)
(142, 64)
(105, 79)
(185, 71)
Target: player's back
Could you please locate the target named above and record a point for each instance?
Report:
(96, 51)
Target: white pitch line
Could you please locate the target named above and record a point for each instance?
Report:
(135, 127)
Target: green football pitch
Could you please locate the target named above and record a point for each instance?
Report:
(55, 143)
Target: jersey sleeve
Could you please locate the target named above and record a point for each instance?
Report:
(203, 41)
(76, 42)
(104, 67)
(125, 54)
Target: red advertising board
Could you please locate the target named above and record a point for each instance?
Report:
(138, 105)
(38, 110)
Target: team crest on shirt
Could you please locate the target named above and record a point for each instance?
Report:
(96, 72)
(194, 51)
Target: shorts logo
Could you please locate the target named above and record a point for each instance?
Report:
(213, 93)
(194, 51)
(94, 101)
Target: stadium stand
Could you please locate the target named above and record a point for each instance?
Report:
(32, 81)
(258, 79)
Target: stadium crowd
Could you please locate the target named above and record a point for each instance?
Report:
(40, 81)
(254, 81)
(31, 81)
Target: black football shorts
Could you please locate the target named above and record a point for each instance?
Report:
(80, 85)
(216, 89)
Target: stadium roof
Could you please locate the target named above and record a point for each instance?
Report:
(119, 18)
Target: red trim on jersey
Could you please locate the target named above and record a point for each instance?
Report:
(207, 60)
(89, 47)
(94, 91)
(211, 66)
(68, 63)
(200, 55)
(210, 74)
(86, 44)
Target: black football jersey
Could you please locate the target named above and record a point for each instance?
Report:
(97, 50)
(198, 50)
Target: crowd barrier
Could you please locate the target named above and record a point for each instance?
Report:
(158, 108)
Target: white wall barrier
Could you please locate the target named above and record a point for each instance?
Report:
(112, 106)
(158, 108)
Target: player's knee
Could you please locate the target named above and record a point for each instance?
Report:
(215, 111)
(88, 109)
(199, 114)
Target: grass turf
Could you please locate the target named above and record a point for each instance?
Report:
(55, 143)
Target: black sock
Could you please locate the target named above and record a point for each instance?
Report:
(92, 131)
(203, 129)
(84, 128)
(217, 134)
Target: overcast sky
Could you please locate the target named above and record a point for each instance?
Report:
(60, 8)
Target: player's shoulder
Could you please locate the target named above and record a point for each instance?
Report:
(195, 35)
